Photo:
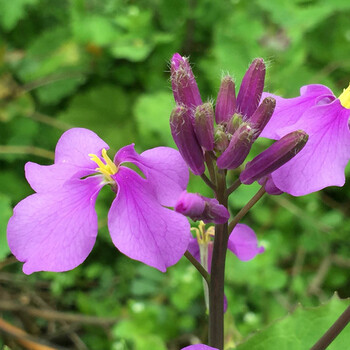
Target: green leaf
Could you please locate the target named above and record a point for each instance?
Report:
(5, 213)
(12, 11)
(152, 112)
(103, 109)
(301, 330)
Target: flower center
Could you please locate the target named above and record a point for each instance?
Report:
(203, 236)
(108, 168)
(344, 98)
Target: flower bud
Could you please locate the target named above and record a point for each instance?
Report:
(204, 125)
(185, 139)
(251, 88)
(262, 115)
(198, 207)
(183, 83)
(269, 185)
(274, 157)
(238, 149)
(221, 139)
(234, 123)
(226, 101)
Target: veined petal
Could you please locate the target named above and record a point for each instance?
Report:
(164, 168)
(321, 163)
(243, 243)
(55, 231)
(45, 178)
(289, 110)
(76, 144)
(141, 228)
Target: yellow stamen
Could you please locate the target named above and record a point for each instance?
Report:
(344, 98)
(108, 168)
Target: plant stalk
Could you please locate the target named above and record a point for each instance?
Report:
(217, 273)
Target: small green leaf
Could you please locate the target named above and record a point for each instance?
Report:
(12, 11)
(302, 329)
(152, 113)
(5, 213)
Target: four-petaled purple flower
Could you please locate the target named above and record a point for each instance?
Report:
(55, 228)
(325, 119)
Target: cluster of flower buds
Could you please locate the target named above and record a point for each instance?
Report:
(239, 122)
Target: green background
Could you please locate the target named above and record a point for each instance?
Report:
(104, 65)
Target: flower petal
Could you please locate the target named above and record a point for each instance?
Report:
(289, 110)
(193, 248)
(199, 347)
(243, 243)
(76, 144)
(55, 231)
(322, 161)
(141, 228)
(45, 178)
(163, 167)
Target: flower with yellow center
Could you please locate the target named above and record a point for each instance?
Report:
(108, 168)
(344, 98)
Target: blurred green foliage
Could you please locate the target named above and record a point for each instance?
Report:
(103, 65)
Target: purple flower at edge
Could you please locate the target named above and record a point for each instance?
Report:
(199, 347)
(325, 118)
(55, 229)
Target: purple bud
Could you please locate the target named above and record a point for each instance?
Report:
(274, 157)
(238, 149)
(234, 123)
(221, 139)
(251, 88)
(226, 101)
(262, 115)
(198, 207)
(183, 83)
(204, 125)
(270, 186)
(185, 139)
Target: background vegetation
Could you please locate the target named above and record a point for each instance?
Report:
(103, 65)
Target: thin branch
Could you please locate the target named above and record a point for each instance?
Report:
(36, 151)
(23, 338)
(208, 182)
(333, 331)
(50, 79)
(45, 119)
(198, 266)
(58, 316)
(233, 187)
(209, 161)
(245, 209)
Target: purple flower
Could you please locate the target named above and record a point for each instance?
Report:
(325, 119)
(242, 242)
(55, 228)
(199, 347)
